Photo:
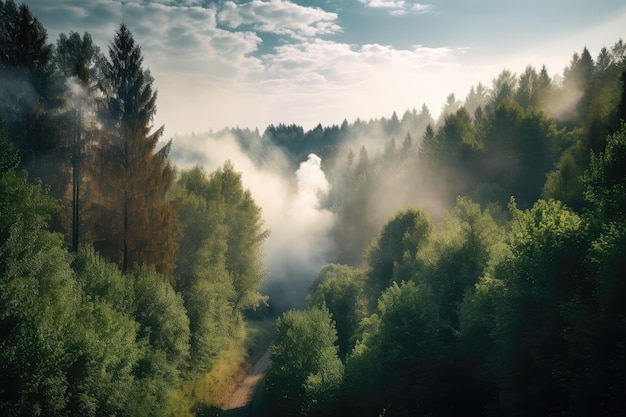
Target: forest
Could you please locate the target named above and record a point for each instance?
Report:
(468, 264)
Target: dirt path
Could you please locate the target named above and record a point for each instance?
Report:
(241, 398)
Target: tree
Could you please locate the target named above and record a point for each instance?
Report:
(451, 106)
(29, 92)
(245, 237)
(565, 182)
(427, 146)
(219, 263)
(503, 89)
(450, 153)
(393, 124)
(200, 268)
(392, 256)
(605, 179)
(340, 289)
(80, 61)
(457, 256)
(305, 371)
(476, 98)
(541, 270)
(38, 299)
(394, 367)
(105, 349)
(363, 163)
(519, 148)
(136, 221)
(527, 92)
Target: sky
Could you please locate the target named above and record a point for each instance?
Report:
(220, 64)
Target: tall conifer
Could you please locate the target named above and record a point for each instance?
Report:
(136, 221)
(78, 59)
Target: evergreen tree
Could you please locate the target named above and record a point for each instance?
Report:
(427, 147)
(79, 60)
(135, 225)
(476, 98)
(28, 91)
(503, 89)
(526, 94)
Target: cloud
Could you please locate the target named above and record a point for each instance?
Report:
(319, 81)
(342, 64)
(212, 69)
(398, 7)
(311, 80)
(278, 17)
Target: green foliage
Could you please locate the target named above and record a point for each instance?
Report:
(219, 264)
(519, 148)
(340, 289)
(77, 56)
(469, 319)
(133, 221)
(457, 256)
(104, 353)
(162, 317)
(82, 340)
(394, 366)
(514, 313)
(213, 321)
(38, 298)
(29, 92)
(449, 152)
(305, 372)
(103, 281)
(78, 59)
(606, 178)
(219, 214)
(595, 332)
(242, 217)
(565, 182)
(392, 256)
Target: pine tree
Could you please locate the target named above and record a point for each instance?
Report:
(79, 60)
(27, 90)
(136, 221)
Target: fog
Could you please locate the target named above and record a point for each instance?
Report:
(307, 228)
(292, 206)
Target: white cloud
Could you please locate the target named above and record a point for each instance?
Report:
(279, 17)
(398, 7)
(210, 73)
(331, 65)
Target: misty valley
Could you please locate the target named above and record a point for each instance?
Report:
(469, 262)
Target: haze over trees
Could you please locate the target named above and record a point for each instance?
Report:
(475, 261)
(501, 299)
(100, 313)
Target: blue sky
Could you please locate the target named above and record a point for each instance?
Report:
(252, 63)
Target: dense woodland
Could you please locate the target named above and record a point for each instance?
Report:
(504, 303)
(477, 262)
(123, 280)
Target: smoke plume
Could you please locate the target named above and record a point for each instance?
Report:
(292, 204)
(300, 244)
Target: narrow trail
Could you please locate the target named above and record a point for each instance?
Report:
(239, 402)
